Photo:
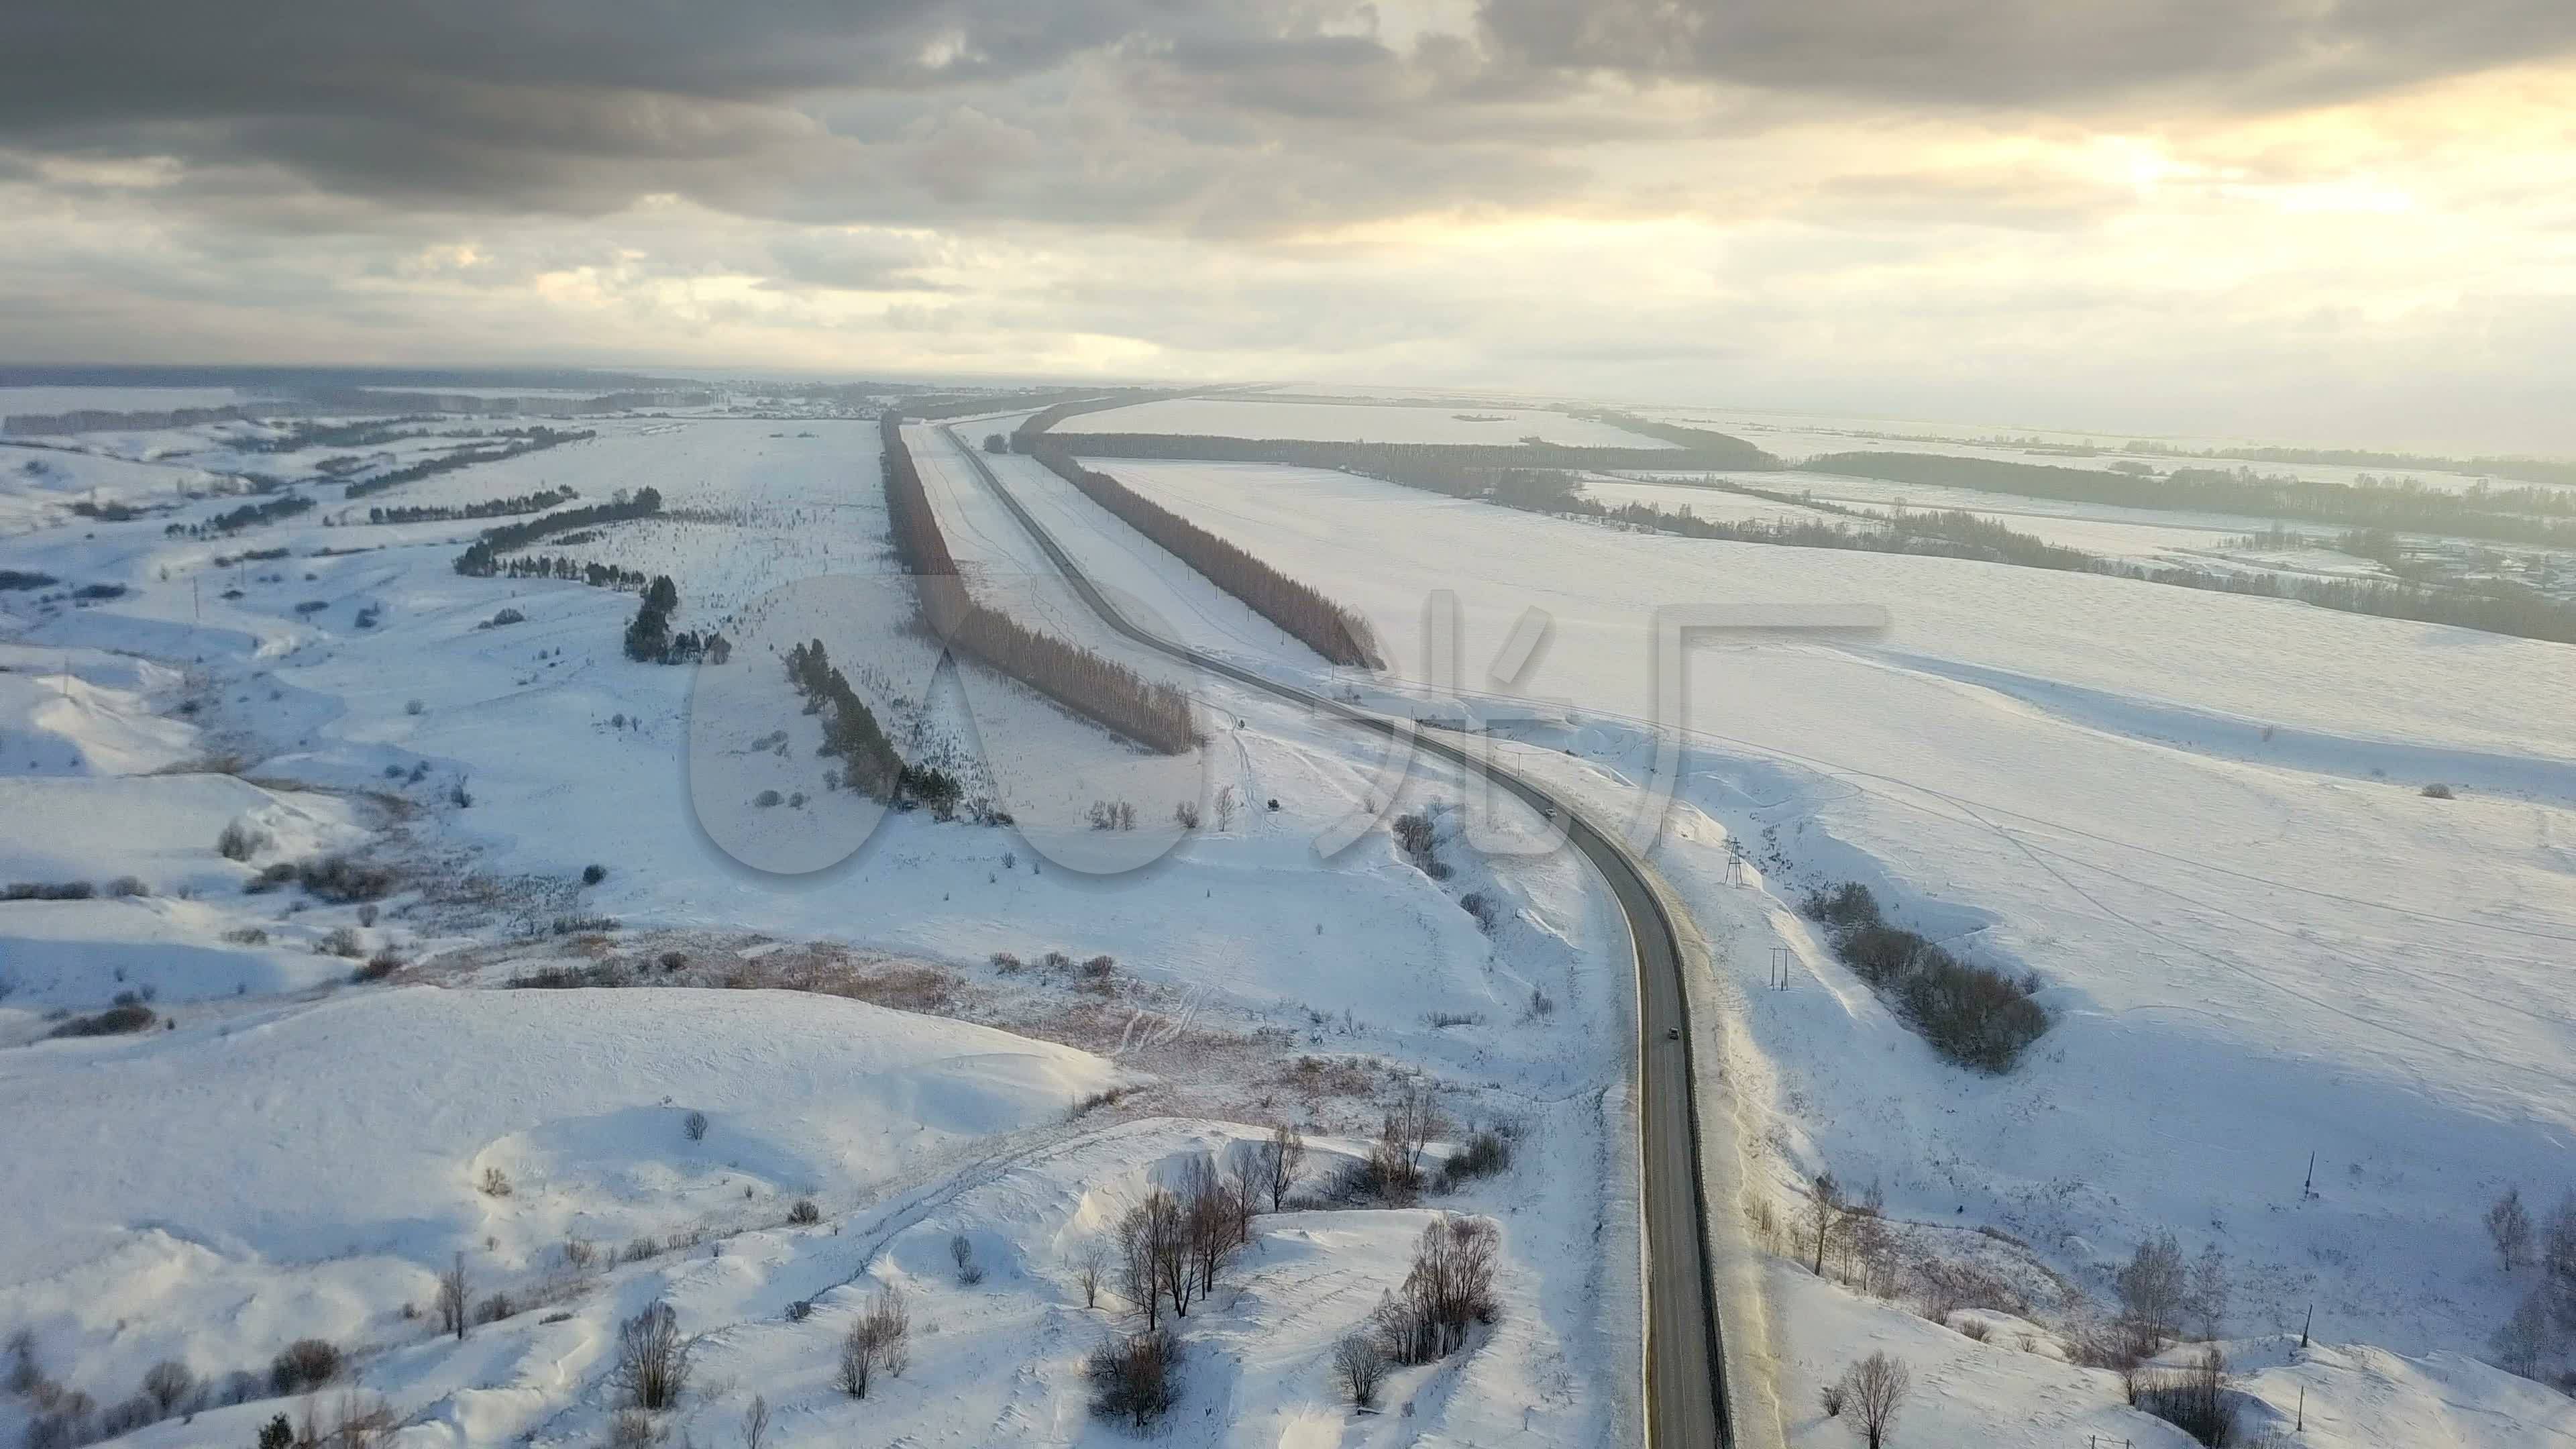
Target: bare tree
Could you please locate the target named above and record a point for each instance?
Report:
(1871, 1242)
(1824, 1215)
(168, 1382)
(2558, 1243)
(1089, 1267)
(1361, 1365)
(2206, 1301)
(2509, 1228)
(453, 1294)
(1246, 1183)
(1876, 1388)
(2152, 1290)
(962, 1249)
(1412, 1122)
(755, 1423)
(2523, 1340)
(878, 1342)
(1210, 1217)
(652, 1358)
(24, 1374)
(1149, 1235)
(1282, 1158)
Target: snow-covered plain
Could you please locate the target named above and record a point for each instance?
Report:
(2195, 816)
(291, 1152)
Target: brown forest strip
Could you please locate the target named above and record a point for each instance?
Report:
(1336, 633)
(1108, 694)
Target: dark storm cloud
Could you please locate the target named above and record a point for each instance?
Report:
(2044, 53)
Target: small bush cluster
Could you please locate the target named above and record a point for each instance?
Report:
(70, 890)
(343, 881)
(240, 842)
(1449, 1288)
(1415, 836)
(128, 1015)
(1971, 1014)
(307, 1363)
(379, 966)
(1135, 1379)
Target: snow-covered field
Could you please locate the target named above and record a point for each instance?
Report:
(2195, 816)
(290, 1150)
(2136, 535)
(1254, 417)
(1794, 436)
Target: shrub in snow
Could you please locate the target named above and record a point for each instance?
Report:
(1485, 1154)
(131, 1016)
(342, 881)
(592, 875)
(1135, 1380)
(766, 799)
(639, 1249)
(2195, 1401)
(379, 966)
(125, 887)
(694, 1126)
(494, 1308)
(240, 842)
(413, 706)
(70, 890)
(341, 941)
(307, 1363)
(496, 1183)
(879, 1341)
(803, 1212)
(969, 1272)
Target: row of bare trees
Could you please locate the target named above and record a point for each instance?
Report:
(1335, 632)
(1101, 690)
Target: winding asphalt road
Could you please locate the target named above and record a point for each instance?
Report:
(1686, 1398)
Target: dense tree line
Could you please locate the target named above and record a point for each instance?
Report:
(1700, 441)
(2525, 470)
(537, 502)
(869, 763)
(1107, 693)
(521, 442)
(2506, 514)
(482, 558)
(570, 570)
(1384, 460)
(935, 408)
(249, 515)
(1330, 630)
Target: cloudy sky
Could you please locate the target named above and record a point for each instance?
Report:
(2321, 220)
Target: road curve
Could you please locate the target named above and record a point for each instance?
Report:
(1686, 1401)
